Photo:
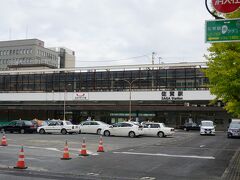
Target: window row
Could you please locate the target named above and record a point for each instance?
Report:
(46, 54)
(16, 61)
(15, 52)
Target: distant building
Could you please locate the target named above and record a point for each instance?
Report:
(30, 54)
(67, 57)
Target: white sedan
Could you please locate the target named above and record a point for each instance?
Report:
(123, 129)
(63, 127)
(157, 129)
(92, 127)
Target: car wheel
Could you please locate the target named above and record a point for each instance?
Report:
(131, 134)
(64, 131)
(79, 132)
(106, 133)
(99, 131)
(42, 131)
(22, 131)
(160, 134)
(185, 129)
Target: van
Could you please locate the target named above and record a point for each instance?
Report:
(207, 128)
(234, 129)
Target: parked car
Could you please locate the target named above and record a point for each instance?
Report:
(123, 129)
(207, 127)
(157, 129)
(234, 129)
(190, 126)
(59, 126)
(92, 127)
(20, 126)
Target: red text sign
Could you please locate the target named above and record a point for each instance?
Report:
(226, 6)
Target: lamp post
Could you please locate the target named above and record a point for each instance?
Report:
(64, 102)
(130, 93)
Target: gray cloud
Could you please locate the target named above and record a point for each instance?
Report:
(111, 29)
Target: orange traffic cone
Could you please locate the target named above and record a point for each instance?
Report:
(100, 146)
(4, 140)
(66, 153)
(21, 163)
(83, 151)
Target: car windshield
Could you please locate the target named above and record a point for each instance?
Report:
(68, 123)
(163, 125)
(235, 125)
(207, 123)
(28, 123)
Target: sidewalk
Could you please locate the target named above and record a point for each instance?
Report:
(233, 170)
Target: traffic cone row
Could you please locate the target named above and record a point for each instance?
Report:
(4, 140)
(83, 152)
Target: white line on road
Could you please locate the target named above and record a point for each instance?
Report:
(167, 155)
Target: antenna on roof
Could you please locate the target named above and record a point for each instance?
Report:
(153, 56)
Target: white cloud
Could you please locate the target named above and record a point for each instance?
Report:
(111, 29)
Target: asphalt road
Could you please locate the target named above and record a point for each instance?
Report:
(187, 155)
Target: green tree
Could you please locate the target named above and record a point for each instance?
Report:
(224, 72)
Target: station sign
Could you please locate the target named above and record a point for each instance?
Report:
(172, 95)
(81, 96)
(226, 30)
(226, 6)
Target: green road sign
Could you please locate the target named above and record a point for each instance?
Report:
(226, 30)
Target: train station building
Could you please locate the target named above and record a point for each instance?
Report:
(172, 93)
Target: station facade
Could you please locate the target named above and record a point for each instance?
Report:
(170, 93)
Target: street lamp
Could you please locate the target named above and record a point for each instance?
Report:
(64, 102)
(130, 93)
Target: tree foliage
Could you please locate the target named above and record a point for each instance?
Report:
(224, 72)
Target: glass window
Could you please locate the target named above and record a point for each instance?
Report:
(126, 125)
(93, 123)
(28, 123)
(155, 126)
(19, 123)
(86, 123)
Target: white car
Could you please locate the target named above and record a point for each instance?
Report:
(157, 129)
(63, 127)
(92, 127)
(207, 127)
(123, 129)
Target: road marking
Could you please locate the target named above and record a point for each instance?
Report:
(167, 155)
(92, 174)
(147, 178)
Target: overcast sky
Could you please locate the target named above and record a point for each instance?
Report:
(111, 32)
